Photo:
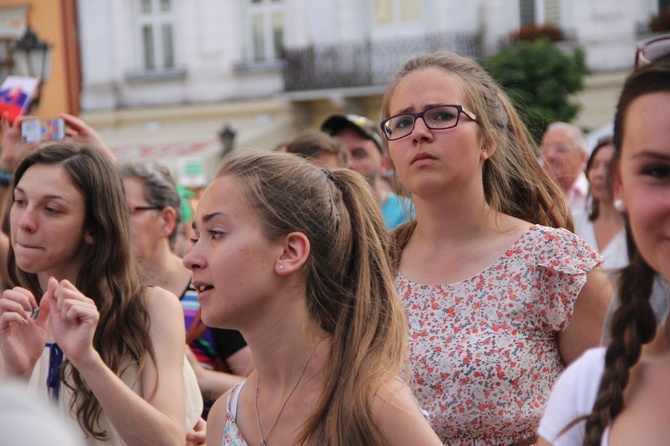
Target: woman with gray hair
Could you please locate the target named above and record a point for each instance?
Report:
(155, 213)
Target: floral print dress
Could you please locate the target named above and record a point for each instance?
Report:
(484, 351)
(231, 434)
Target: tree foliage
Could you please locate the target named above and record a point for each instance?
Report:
(539, 79)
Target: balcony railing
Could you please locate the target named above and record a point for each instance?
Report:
(367, 63)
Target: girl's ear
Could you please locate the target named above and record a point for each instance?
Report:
(294, 254)
(88, 238)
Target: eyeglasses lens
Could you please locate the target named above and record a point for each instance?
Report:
(442, 117)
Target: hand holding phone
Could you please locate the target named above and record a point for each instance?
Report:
(39, 130)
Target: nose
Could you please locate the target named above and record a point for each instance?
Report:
(421, 132)
(193, 260)
(549, 156)
(27, 221)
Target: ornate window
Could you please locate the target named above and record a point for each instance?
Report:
(266, 30)
(156, 20)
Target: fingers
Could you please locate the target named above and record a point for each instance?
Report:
(17, 305)
(198, 435)
(75, 126)
(68, 302)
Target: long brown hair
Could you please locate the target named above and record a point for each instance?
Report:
(349, 283)
(107, 275)
(633, 323)
(514, 181)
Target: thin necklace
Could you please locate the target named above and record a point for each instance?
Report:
(264, 441)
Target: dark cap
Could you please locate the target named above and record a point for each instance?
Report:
(368, 129)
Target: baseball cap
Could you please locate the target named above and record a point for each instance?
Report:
(368, 129)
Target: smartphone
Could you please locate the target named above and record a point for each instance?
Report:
(39, 130)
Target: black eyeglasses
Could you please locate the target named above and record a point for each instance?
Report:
(439, 117)
(651, 49)
(135, 209)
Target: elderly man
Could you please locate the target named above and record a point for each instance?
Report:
(565, 153)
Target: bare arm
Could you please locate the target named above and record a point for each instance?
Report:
(159, 419)
(399, 417)
(588, 316)
(216, 422)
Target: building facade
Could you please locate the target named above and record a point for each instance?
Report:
(165, 76)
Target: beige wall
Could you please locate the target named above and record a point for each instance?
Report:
(54, 22)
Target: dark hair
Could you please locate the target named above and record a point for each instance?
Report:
(349, 284)
(594, 206)
(634, 323)
(159, 187)
(108, 275)
(313, 143)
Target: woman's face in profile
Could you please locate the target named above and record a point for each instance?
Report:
(47, 222)
(644, 176)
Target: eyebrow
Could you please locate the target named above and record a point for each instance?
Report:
(651, 154)
(47, 197)
(411, 107)
(207, 218)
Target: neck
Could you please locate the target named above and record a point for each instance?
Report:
(43, 278)
(452, 219)
(566, 182)
(281, 344)
(606, 211)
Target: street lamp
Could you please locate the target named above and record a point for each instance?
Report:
(32, 58)
(227, 137)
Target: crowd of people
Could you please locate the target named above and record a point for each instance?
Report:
(434, 279)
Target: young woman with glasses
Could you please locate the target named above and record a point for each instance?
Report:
(498, 299)
(619, 395)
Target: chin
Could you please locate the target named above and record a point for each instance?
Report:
(27, 267)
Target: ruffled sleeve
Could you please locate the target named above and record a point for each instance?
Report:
(564, 261)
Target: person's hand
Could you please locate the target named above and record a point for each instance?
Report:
(13, 147)
(80, 131)
(73, 319)
(22, 337)
(198, 434)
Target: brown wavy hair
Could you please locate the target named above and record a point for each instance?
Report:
(514, 181)
(108, 274)
(633, 323)
(349, 283)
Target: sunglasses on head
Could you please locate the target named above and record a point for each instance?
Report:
(651, 49)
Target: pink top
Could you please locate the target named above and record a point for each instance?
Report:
(484, 351)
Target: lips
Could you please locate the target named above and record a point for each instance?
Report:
(202, 287)
(27, 245)
(422, 156)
